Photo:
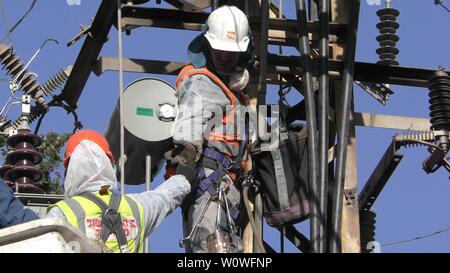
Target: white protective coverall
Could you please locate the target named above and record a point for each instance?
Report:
(200, 101)
(89, 169)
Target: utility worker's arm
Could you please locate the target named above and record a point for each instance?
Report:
(160, 202)
(12, 211)
(199, 101)
(157, 203)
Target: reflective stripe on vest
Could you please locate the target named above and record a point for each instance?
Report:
(88, 219)
(190, 70)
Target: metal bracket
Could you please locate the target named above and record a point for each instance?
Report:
(379, 91)
(350, 197)
(26, 101)
(13, 132)
(84, 30)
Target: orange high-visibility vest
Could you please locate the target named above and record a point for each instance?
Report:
(234, 99)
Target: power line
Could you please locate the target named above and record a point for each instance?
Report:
(19, 21)
(439, 2)
(5, 20)
(417, 238)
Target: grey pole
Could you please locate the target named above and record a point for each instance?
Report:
(324, 89)
(122, 133)
(148, 179)
(311, 120)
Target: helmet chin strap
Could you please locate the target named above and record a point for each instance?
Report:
(239, 79)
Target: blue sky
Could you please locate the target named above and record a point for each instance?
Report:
(413, 203)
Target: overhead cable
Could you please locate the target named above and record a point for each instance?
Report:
(19, 21)
(416, 238)
(439, 2)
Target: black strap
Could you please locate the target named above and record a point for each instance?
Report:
(111, 219)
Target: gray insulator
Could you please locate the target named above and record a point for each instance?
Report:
(367, 221)
(14, 67)
(388, 38)
(439, 101)
(57, 81)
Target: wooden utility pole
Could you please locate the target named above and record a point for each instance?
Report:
(350, 230)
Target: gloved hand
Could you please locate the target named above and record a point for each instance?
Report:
(190, 171)
(182, 154)
(171, 170)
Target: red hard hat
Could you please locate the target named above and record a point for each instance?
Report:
(91, 135)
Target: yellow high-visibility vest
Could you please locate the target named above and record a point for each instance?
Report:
(86, 216)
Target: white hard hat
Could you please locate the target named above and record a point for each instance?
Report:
(227, 29)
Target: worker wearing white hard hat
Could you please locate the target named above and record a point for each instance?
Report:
(228, 30)
(215, 80)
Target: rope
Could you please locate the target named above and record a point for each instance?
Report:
(121, 110)
(416, 238)
(257, 235)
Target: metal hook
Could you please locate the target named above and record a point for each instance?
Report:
(197, 221)
(32, 58)
(14, 87)
(230, 220)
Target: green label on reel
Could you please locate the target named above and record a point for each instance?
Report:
(140, 111)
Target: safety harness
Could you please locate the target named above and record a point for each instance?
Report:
(219, 162)
(111, 219)
(221, 166)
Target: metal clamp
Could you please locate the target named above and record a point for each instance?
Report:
(234, 165)
(380, 92)
(183, 241)
(231, 225)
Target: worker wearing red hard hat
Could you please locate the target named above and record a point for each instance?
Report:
(94, 207)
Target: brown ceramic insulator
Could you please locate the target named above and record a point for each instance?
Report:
(25, 186)
(3, 170)
(23, 158)
(31, 155)
(24, 136)
(25, 176)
